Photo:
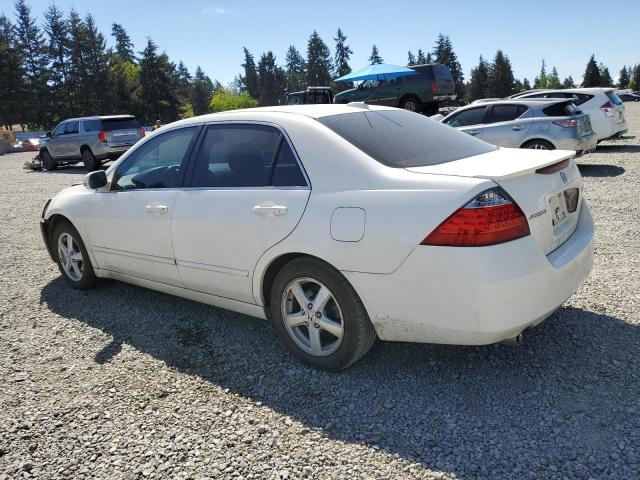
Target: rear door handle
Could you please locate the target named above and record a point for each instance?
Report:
(154, 208)
(517, 128)
(270, 210)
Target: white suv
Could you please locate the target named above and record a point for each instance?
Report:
(605, 108)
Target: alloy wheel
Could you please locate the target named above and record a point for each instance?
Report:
(537, 146)
(312, 316)
(70, 257)
(410, 105)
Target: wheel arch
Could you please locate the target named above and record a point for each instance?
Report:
(84, 147)
(546, 140)
(49, 226)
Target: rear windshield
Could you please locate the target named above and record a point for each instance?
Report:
(403, 139)
(615, 99)
(120, 124)
(441, 72)
(561, 110)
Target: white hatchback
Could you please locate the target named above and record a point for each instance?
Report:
(340, 223)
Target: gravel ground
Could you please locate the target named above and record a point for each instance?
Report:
(122, 382)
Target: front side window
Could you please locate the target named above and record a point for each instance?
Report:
(60, 129)
(156, 164)
(473, 116)
(236, 155)
(72, 127)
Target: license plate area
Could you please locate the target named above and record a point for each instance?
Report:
(558, 209)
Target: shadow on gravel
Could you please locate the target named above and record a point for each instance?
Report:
(600, 170)
(613, 148)
(564, 401)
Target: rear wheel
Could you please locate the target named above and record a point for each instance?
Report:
(319, 316)
(47, 161)
(413, 104)
(538, 145)
(72, 257)
(89, 160)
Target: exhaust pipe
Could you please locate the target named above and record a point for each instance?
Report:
(513, 341)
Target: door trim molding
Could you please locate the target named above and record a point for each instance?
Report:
(139, 256)
(212, 268)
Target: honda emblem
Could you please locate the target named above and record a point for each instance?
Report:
(563, 176)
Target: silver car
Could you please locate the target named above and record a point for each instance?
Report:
(539, 124)
(91, 140)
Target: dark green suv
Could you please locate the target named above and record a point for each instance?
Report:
(418, 93)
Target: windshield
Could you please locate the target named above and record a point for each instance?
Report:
(403, 139)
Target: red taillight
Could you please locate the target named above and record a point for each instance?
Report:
(142, 133)
(102, 136)
(566, 123)
(607, 108)
(434, 86)
(490, 218)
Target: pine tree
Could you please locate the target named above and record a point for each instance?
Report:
(77, 69)
(295, 69)
(375, 57)
(421, 60)
(33, 48)
(157, 85)
(541, 80)
(444, 54)
(605, 76)
(517, 86)
(553, 80)
(57, 30)
(636, 76)
(623, 78)
(501, 80)
(591, 77)
(429, 58)
(568, 82)
(124, 77)
(525, 84)
(201, 93)
(250, 77)
(318, 62)
(12, 74)
(343, 55)
(478, 85)
(271, 80)
(124, 46)
(411, 59)
(96, 83)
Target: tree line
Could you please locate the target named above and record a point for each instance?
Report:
(62, 68)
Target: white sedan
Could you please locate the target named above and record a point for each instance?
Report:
(340, 223)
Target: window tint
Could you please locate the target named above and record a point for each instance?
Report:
(236, 156)
(398, 138)
(557, 95)
(580, 98)
(615, 99)
(503, 113)
(287, 172)
(92, 125)
(441, 72)
(473, 116)
(120, 124)
(72, 127)
(561, 110)
(156, 163)
(60, 129)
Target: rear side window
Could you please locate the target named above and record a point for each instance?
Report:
(92, 125)
(561, 110)
(236, 156)
(287, 172)
(615, 99)
(120, 124)
(473, 116)
(402, 139)
(505, 113)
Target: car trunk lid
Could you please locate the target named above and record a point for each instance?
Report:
(546, 185)
(122, 131)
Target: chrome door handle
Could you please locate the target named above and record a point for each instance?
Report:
(157, 209)
(270, 210)
(517, 128)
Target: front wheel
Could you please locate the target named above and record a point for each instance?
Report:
(538, 145)
(319, 316)
(47, 161)
(72, 257)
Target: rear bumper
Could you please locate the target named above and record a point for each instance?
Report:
(475, 296)
(111, 153)
(439, 98)
(579, 145)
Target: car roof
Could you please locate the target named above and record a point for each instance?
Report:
(521, 101)
(99, 117)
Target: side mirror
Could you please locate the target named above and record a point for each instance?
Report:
(49, 134)
(95, 180)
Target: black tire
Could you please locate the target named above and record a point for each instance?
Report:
(358, 332)
(88, 277)
(89, 160)
(430, 109)
(411, 103)
(538, 144)
(47, 161)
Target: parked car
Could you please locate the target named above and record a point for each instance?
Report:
(30, 144)
(538, 124)
(91, 140)
(604, 107)
(312, 95)
(418, 93)
(629, 97)
(340, 223)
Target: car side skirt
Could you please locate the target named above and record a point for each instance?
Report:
(221, 302)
